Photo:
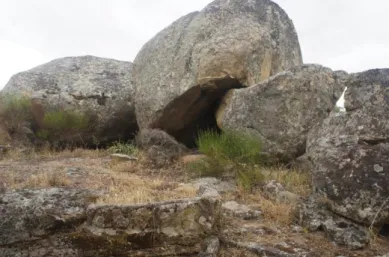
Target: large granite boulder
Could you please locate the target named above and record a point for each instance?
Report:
(350, 151)
(96, 88)
(282, 109)
(182, 73)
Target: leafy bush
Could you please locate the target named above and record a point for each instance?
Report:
(227, 152)
(15, 111)
(61, 125)
(123, 148)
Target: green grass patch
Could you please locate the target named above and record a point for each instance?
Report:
(123, 148)
(229, 152)
(60, 125)
(15, 111)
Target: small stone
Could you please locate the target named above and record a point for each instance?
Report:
(378, 168)
(297, 229)
(208, 192)
(241, 211)
(217, 184)
(213, 248)
(123, 157)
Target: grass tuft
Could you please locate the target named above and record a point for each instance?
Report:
(123, 148)
(229, 152)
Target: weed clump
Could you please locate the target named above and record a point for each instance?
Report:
(123, 148)
(15, 112)
(229, 152)
(59, 125)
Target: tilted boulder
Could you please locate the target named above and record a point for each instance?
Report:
(181, 74)
(96, 88)
(282, 109)
(350, 151)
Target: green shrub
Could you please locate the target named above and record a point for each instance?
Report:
(15, 111)
(229, 152)
(62, 125)
(123, 148)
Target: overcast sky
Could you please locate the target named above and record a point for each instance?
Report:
(342, 34)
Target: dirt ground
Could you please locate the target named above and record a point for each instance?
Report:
(136, 182)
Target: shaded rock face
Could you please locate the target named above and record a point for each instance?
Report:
(314, 215)
(350, 151)
(62, 222)
(96, 87)
(282, 109)
(161, 148)
(182, 73)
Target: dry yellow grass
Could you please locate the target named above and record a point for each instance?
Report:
(293, 180)
(276, 212)
(47, 153)
(128, 188)
(40, 180)
(44, 180)
(280, 213)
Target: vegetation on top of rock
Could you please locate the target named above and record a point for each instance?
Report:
(228, 151)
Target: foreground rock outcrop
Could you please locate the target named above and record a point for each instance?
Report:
(30, 219)
(282, 109)
(97, 88)
(314, 215)
(350, 151)
(59, 222)
(182, 73)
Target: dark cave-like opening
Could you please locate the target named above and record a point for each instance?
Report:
(384, 231)
(195, 110)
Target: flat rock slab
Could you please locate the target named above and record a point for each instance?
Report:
(235, 209)
(133, 228)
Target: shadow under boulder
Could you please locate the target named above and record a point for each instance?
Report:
(194, 111)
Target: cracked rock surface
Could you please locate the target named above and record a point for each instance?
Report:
(34, 222)
(314, 215)
(350, 151)
(282, 109)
